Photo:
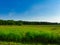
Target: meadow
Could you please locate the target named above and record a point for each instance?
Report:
(45, 34)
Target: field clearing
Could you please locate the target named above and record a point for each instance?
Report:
(16, 33)
(27, 28)
(36, 28)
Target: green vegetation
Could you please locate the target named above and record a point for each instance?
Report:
(14, 43)
(31, 34)
(19, 22)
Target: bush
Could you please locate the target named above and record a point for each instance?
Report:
(14, 37)
(3, 37)
(35, 37)
(42, 37)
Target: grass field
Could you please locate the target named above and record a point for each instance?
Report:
(13, 43)
(31, 33)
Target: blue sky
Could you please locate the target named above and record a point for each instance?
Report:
(30, 10)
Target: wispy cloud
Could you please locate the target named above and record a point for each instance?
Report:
(39, 12)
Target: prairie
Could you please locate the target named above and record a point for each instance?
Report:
(45, 34)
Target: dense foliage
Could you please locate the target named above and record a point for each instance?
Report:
(31, 33)
(31, 37)
(19, 22)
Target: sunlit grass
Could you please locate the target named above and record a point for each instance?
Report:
(31, 33)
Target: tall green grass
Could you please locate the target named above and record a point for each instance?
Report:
(34, 36)
(41, 37)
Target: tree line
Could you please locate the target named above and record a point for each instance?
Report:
(20, 22)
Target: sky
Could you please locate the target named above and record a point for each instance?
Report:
(30, 10)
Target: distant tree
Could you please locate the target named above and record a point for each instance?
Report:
(19, 22)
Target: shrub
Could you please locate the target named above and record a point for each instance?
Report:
(3, 37)
(14, 37)
(43, 37)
